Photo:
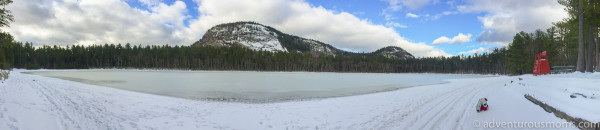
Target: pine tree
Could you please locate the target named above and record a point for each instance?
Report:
(516, 54)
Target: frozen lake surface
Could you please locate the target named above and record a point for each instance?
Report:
(249, 86)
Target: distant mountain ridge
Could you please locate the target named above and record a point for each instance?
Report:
(260, 37)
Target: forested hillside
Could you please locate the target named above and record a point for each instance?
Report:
(235, 58)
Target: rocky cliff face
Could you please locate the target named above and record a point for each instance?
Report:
(394, 52)
(260, 37)
(253, 36)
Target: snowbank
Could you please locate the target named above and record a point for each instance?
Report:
(556, 91)
(35, 102)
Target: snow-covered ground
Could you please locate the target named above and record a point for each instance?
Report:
(35, 102)
(555, 90)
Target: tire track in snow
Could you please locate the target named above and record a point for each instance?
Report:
(436, 112)
(403, 111)
(54, 105)
(462, 107)
(75, 106)
(444, 101)
(469, 106)
(74, 110)
(444, 112)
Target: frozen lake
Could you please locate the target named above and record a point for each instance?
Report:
(248, 86)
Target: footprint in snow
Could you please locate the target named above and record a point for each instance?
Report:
(12, 127)
(134, 125)
(12, 119)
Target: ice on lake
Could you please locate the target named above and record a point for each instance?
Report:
(249, 86)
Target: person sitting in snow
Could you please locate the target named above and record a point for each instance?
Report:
(482, 105)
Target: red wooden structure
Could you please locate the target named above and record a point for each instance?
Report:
(541, 65)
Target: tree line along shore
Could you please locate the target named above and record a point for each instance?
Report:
(570, 42)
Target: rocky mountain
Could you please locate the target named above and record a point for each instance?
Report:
(260, 37)
(393, 52)
(251, 35)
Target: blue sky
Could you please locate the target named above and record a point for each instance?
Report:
(421, 29)
(457, 26)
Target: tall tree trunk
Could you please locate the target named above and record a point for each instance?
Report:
(589, 67)
(594, 35)
(580, 51)
(596, 31)
(596, 55)
(595, 42)
(591, 63)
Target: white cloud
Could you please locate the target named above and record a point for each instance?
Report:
(442, 39)
(461, 38)
(66, 22)
(395, 5)
(411, 15)
(507, 17)
(171, 14)
(394, 24)
(438, 16)
(448, 13)
(458, 39)
(150, 2)
(474, 51)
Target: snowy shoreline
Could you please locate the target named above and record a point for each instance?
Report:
(49, 103)
(192, 70)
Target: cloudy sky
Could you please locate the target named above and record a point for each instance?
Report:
(422, 27)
